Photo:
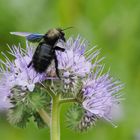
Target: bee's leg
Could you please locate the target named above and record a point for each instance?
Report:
(29, 64)
(56, 66)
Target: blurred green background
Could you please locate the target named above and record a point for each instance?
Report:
(113, 25)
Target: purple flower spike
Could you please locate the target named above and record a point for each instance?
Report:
(16, 73)
(73, 63)
(100, 93)
(4, 93)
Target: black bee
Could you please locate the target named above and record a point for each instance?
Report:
(53, 40)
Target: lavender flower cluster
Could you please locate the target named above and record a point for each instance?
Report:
(81, 74)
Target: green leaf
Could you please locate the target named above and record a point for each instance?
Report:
(18, 116)
(26, 105)
(78, 119)
(74, 116)
(35, 101)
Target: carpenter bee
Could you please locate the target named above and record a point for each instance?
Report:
(49, 43)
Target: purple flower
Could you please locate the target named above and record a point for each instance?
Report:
(16, 73)
(4, 93)
(100, 94)
(73, 64)
(94, 94)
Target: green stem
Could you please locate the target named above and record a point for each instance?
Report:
(67, 100)
(55, 126)
(43, 114)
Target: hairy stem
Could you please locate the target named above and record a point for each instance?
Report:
(44, 116)
(55, 112)
(67, 100)
(55, 126)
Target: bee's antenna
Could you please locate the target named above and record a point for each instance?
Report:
(67, 28)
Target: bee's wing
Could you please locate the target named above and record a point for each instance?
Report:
(60, 45)
(29, 36)
(24, 34)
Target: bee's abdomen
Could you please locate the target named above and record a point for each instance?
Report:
(42, 57)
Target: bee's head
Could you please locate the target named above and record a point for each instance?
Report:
(53, 35)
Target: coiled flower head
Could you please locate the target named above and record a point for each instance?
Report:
(73, 63)
(16, 73)
(101, 94)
